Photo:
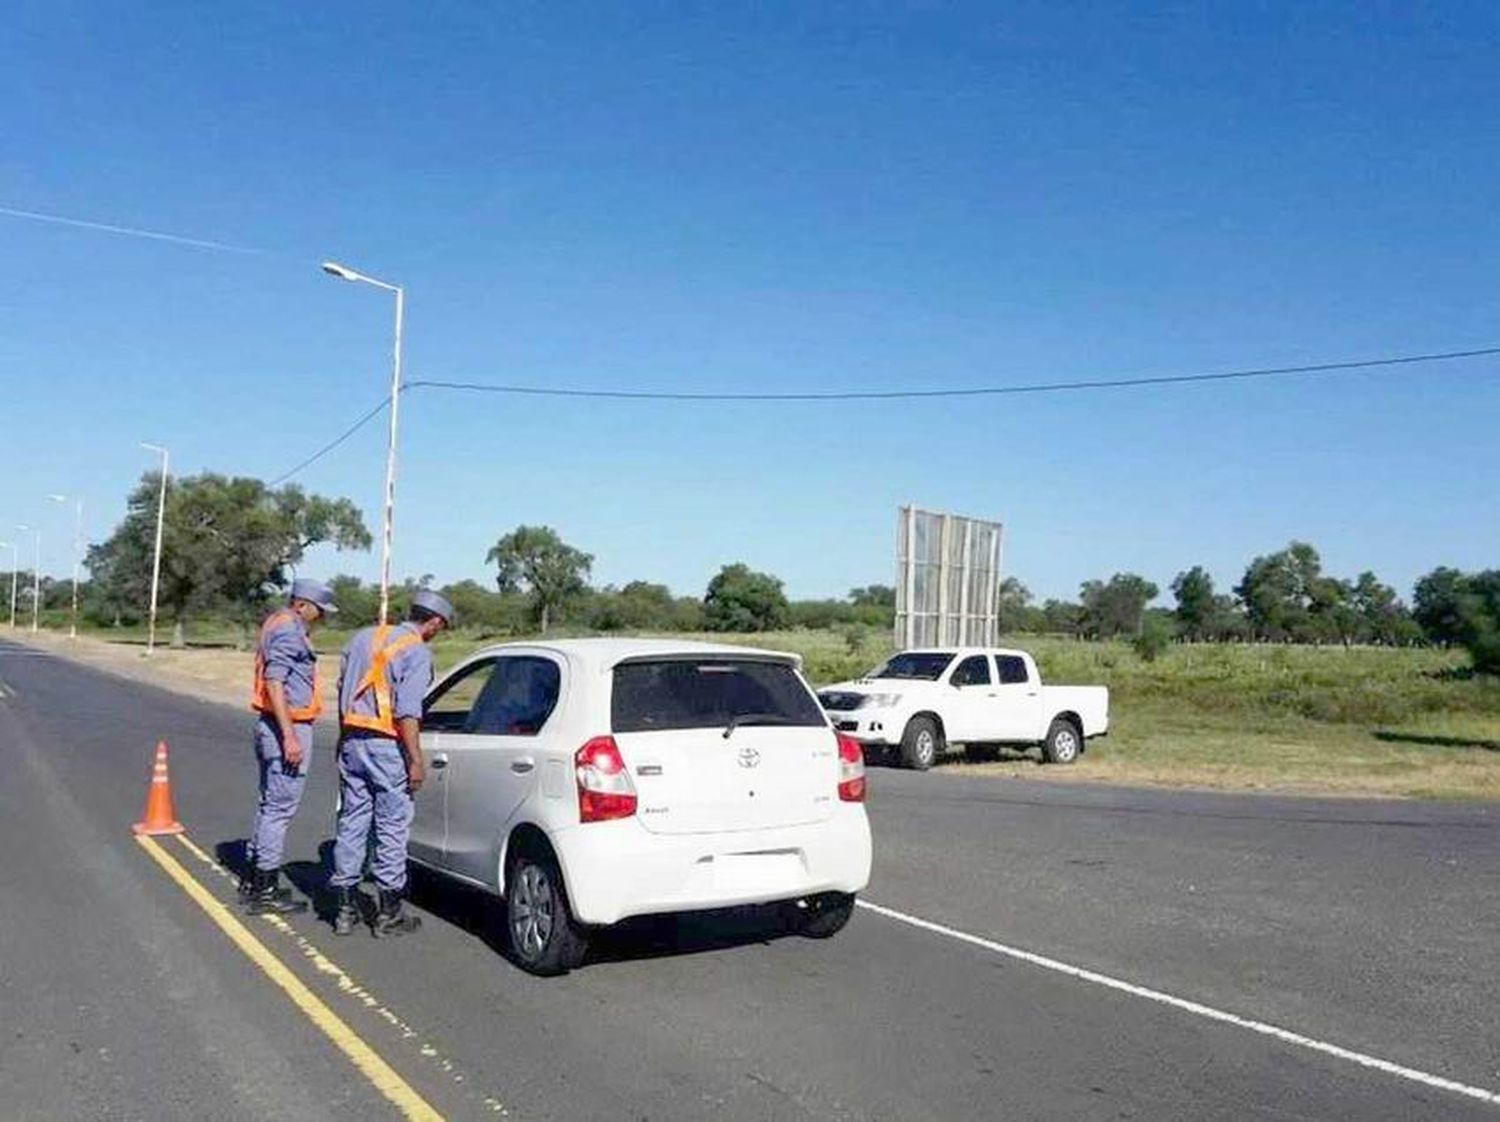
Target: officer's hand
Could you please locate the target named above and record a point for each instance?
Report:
(416, 772)
(291, 750)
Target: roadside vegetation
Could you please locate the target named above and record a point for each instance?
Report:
(1294, 679)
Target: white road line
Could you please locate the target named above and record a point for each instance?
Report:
(1286, 1036)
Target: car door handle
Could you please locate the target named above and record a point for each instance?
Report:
(440, 760)
(523, 765)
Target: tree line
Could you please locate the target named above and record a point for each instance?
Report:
(231, 544)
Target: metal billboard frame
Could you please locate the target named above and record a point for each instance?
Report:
(947, 579)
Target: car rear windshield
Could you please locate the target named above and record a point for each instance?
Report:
(923, 666)
(664, 694)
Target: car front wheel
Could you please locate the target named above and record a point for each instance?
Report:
(544, 937)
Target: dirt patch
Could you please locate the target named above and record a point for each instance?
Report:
(211, 674)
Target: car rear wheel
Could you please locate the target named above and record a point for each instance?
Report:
(824, 915)
(921, 743)
(544, 938)
(1063, 743)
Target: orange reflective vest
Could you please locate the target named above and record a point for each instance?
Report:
(378, 679)
(260, 695)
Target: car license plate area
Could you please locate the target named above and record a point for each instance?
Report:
(745, 874)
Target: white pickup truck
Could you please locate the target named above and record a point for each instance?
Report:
(921, 701)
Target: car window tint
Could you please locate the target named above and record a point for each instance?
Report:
(1012, 670)
(518, 698)
(664, 694)
(448, 708)
(972, 671)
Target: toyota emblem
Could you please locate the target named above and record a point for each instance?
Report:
(749, 757)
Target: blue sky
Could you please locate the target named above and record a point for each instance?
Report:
(778, 197)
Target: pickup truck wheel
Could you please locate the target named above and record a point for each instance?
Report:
(921, 743)
(1063, 743)
(544, 938)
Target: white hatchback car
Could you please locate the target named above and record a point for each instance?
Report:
(589, 780)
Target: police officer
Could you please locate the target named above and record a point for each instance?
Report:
(383, 678)
(287, 699)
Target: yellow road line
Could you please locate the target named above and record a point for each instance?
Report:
(375, 1069)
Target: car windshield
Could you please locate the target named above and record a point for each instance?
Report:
(916, 666)
(722, 693)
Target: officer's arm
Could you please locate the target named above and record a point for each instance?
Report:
(281, 651)
(276, 692)
(409, 731)
(410, 678)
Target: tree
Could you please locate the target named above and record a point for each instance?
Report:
(533, 559)
(1063, 617)
(1463, 608)
(1332, 616)
(1155, 635)
(1115, 608)
(873, 606)
(1384, 619)
(873, 596)
(1440, 605)
(1278, 590)
(1013, 606)
(227, 543)
(359, 603)
(740, 599)
(1196, 602)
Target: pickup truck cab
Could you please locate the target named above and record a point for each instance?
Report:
(921, 701)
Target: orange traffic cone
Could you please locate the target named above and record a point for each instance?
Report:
(160, 817)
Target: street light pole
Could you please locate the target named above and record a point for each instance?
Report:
(77, 560)
(36, 575)
(15, 573)
(161, 513)
(342, 272)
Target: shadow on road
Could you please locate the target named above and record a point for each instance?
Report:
(1436, 741)
(483, 916)
(647, 937)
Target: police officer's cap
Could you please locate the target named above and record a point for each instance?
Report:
(434, 603)
(315, 592)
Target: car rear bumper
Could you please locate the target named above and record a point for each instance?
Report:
(614, 870)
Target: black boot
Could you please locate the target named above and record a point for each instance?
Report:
(346, 916)
(393, 918)
(268, 896)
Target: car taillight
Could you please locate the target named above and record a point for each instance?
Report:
(604, 788)
(851, 770)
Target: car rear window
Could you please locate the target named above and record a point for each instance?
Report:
(665, 694)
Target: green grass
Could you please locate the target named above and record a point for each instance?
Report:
(1366, 720)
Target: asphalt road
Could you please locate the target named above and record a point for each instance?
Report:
(1365, 925)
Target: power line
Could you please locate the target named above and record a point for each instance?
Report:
(126, 231)
(334, 443)
(887, 395)
(973, 391)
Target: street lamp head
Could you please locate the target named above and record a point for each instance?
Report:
(58, 498)
(152, 447)
(334, 269)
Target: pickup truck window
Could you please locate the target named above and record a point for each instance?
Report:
(1012, 670)
(916, 666)
(972, 671)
